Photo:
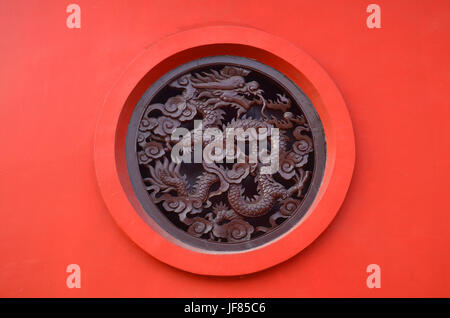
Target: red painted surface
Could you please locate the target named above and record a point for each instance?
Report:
(394, 80)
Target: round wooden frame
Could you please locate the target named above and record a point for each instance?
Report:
(299, 98)
(177, 49)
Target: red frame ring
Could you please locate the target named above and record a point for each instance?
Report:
(174, 50)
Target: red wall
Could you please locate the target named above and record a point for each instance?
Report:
(395, 81)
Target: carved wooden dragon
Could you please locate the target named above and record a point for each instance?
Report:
(212, 95)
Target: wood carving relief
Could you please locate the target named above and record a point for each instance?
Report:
(227, 201)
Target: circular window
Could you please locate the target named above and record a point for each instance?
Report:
(225, 153)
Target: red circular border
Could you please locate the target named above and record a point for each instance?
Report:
(174, 50)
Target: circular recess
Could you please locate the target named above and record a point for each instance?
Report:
(233, 203)
(279, 67)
